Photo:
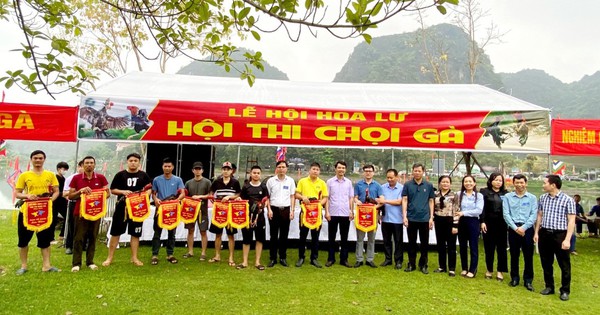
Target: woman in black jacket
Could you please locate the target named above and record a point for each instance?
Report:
(495, 231)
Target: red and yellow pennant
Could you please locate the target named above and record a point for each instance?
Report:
(311, 215)
(168, 214)
(190, 210)
(220, 214)
(138, 206)
(366, 217)
(37, 214)
(239, 216)
(93, 205)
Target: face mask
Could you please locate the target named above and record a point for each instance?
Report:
(63, 172)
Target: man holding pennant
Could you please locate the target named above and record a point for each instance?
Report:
(224, 189)
(31, 186)
(257, 195)
(339, 212)
(366, 191)
(126, 185)
(90, 190)
(312, 192)
(199, 189)
(166, 187)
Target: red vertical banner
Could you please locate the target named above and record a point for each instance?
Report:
(366, 217)
(575, 137)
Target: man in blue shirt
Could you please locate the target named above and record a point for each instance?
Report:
(366, 191)
(165, 187)
(417, 214)
(391, 226)
(519, 209)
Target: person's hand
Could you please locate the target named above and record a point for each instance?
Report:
(566, 244)
(358, 202)
(406, 222)
(270, 214)
(327, 216)
(483, 228)
(305, 200)
(431, 224)
(351, 216)
(535, 238)
(85, 190)
(520, 231)
(380, 200)
(127, 192)
(291, 214)
(32, 197)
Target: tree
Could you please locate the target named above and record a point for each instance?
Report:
(191, 28)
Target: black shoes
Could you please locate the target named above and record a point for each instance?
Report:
(329, 263)
(300, 262)
(409, 268)
(564, 296)
(283, 262)
(529, 287)
(272, 263)
(547, 291)
(316, 263)
(346, 264)
(514, 283)
(371, 264)
(398, 266)
(424, 270)
(358, 264)
(386, 263)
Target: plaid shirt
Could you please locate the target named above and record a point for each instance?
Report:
(555, 210)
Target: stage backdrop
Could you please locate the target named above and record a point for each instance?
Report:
(169, 108)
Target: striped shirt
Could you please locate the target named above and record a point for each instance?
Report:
(555, 210)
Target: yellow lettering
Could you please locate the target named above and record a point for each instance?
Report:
(173, 129)
(452, 135)
(233, 113)
(5, 120)
(24, 120)
(426, 135)
(273, 113)
(324, 133)
(324, 115)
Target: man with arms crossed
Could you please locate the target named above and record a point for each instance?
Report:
(366, 191)
(519, 209)
(417, 213)
(311, 188)
(124, 183)
(339, 212)
(30, 185)
(282, 189)
(198, 188)
(553, 229)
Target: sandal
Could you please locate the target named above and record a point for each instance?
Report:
(463, 273)
(241, 266)
(260, 267)
(188, 255)
(499, 276)
(231, 263)
(488, 275)
(214, 260)
(52, 269)
(154, 261)
(172, 259)
(202, 257)
(21, 271)
(470, 275)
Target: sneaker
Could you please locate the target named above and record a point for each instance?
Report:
(75, 269)
(93, 267)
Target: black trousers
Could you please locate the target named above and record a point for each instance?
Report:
(517, 244)
(549, 245)
(344, 225)
(495, 241)
(393, 234)
(279, 227)
(314, 242)
(468, 233)
(85, 230)
(422, 228)
(446, 242)
(70, 223)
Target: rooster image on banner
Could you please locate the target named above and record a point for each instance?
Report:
(115, 118)
(101, 121)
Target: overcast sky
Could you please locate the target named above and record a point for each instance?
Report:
(558, 37)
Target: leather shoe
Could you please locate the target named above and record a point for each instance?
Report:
(316, 263)
(424, 270)
(514, 283)
(300, 262)
(398, 266)
(409, 268)
(564, 296)
(346, 264)
(329, 263)
(283, 262)
(547, 291)
(371, 264)
(440, 270)
(272, 263)
(386, 263)
(358, 264)
(529, 287)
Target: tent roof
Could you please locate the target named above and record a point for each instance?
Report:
(366, 96)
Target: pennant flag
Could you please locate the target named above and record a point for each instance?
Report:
(2, 147)
(558, 167)
(104, 167)
(280, 154)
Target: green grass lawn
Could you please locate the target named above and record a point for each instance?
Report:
(195, 287)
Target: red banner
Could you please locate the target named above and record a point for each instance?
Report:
(311, 215)
(93, 205)
(190, 210)
(575, 137)
(366, 217)
(220, 214)
(170, 121)
(38, 122)
(138, 206)
(37, 214)
(239, 217)
(168, 214)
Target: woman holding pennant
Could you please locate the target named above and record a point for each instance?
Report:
(90, 189)
(125, 184)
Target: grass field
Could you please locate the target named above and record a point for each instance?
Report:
(195, 287)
